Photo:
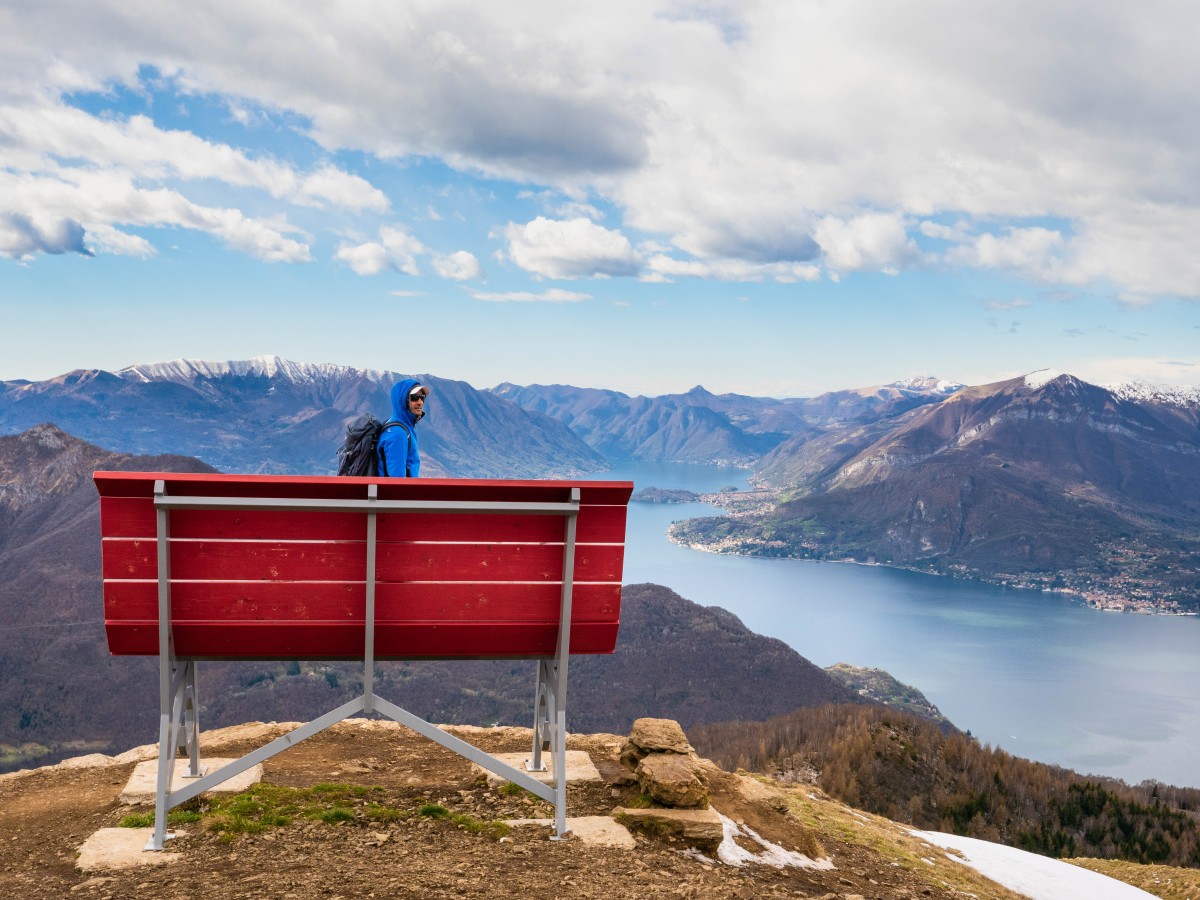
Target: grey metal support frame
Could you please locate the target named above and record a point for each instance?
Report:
(178, 721)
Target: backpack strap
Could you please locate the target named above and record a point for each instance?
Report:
(386, 425)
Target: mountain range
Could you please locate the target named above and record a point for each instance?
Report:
(1041, 481)
(270, 415)
(702, 427)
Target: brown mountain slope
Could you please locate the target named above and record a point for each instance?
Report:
(57, 681)
(61, 691)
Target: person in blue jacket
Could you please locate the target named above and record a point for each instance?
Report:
(397, 452)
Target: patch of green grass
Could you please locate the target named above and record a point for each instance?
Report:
(268, 806)
(146, 820)
(377, 813)
(341, 790)
(335, 815)
(272, 806)
(493, 829)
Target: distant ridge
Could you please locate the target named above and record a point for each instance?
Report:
(717, 429)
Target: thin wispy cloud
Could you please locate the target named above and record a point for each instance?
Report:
(553, 295)
(1002, 304)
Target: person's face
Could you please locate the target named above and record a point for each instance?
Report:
(416, 404)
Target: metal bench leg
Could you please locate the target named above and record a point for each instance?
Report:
(541, 721)
(166, 766)
(171, 737)
(170, 679)
(189, 736)
(556, 732)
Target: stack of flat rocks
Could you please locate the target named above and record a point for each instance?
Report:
(674, 784)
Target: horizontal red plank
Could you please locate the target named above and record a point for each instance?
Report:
(141, 484)
(335, 640)
(298, 561)
(268, 601)
(136, 517)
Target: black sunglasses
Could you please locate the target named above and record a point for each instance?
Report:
(413, 397)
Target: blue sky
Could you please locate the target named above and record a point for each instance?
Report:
(774, 198)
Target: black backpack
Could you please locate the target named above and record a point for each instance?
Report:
(357, 454)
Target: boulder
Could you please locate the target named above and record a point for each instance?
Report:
(659, 735)
(653, 736)
(672, 780)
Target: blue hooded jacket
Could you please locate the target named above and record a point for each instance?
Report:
(397, 454)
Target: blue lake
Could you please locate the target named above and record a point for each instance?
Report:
(1034, 673)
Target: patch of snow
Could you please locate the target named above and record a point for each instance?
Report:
(1037, 877)
(734, 854)
(927, 384)
(1041, 377)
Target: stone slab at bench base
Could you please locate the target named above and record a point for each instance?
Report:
(595, 831)
(142, 784)
(579, 767)
(113, 849)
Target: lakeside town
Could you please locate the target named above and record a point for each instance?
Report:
(1133, 580)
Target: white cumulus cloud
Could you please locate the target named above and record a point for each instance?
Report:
(457, 266)
(876, 242)
(570, 248)
(399, 251)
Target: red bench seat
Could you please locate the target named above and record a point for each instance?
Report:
(289, 584)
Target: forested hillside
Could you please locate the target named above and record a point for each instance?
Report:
(911, 771)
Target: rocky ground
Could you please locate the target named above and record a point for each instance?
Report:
(398, 816)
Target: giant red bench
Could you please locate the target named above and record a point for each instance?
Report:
(262, 567)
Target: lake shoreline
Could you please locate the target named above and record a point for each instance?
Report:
(757, 501)
(1097, 600)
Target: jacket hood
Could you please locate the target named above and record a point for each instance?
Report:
(400, 392)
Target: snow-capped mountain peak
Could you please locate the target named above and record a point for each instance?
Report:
(186, 371)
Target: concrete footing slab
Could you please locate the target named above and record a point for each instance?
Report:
(142, 786)
(579, 767)
(112, 849)
(596, 831)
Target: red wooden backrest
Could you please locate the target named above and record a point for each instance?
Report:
(290, 584)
